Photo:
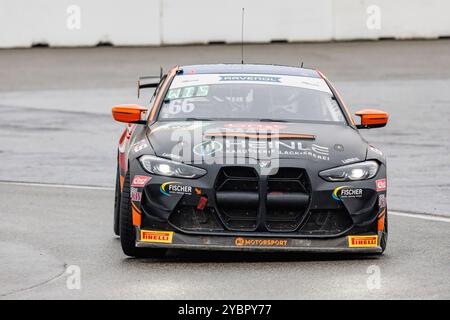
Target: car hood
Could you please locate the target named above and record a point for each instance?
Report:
(326, 145)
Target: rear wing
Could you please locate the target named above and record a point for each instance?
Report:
(148, 82)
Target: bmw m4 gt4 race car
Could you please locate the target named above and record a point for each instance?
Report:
(248, 157)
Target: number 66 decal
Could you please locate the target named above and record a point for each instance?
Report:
(177, 106)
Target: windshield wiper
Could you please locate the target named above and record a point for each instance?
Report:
(272, 120)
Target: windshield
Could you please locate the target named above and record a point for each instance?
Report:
(249, 97)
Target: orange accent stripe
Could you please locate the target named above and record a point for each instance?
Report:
(121, 180)
(133, 206)
(136, 215)
(381, 218)
(260, 136)
(346, 109)
(172, 72)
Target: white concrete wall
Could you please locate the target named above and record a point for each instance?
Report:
(121, 22)
(265, 20)
(400, 19)
(155, 22)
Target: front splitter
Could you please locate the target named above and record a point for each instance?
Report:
(172, 240)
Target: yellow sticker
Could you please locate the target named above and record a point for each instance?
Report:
(362, 241)
(156, 236)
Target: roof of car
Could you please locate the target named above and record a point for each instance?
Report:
(249, 69)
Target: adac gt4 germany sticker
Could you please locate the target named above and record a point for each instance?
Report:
(362, 241)
(381, 184)
(156, 236)
(140, 181)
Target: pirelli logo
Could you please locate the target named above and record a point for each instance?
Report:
(156, 236)
(260, 242)
(362, 241)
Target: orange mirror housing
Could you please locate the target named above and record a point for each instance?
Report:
(129, 113)
(372, 118)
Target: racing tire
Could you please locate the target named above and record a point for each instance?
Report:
(384, 235)
(128, 231)
(117, 197)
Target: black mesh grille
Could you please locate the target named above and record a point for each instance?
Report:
(237, 195)
(289, 180)
(237, 179)
(188, 218)
(327, 222)
(237, 206)
(288, 194)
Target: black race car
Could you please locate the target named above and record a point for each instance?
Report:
(248, 157)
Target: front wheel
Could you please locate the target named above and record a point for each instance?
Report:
(128, 231)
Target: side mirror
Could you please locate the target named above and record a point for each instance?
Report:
(129, 113)
(372, 118)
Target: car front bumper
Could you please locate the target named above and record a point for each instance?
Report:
(322, 224)
(368, 243)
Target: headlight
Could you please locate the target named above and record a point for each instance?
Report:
(352, 172)
(164, 167)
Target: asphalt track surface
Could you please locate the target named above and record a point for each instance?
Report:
(57, 135)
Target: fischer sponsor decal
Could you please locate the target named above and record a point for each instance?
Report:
(362, 241)
(135, 194)
(140, 181)
(156, 236)
(381, 184)
(345, 192)
(240, 242)
(175, 187)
